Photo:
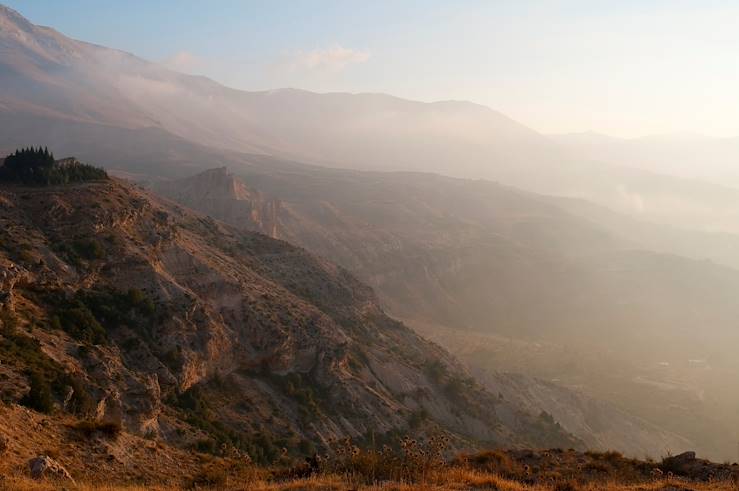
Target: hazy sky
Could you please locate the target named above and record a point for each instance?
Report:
(622, 67)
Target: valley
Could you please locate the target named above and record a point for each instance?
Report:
(216, 285)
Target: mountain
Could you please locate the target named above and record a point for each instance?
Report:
(90, 100)
(144, 314)
(480, 257)
(47, 74)
(475, 254)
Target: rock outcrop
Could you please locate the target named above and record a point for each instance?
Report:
(44, 466)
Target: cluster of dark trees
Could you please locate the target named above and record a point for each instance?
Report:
(37, 167)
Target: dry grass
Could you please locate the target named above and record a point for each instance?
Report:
(456, 479)
(130, 463)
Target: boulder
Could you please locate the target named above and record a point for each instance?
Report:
(44, 466)
(684, 457)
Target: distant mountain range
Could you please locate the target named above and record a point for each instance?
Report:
(686, 155)
(90, 99)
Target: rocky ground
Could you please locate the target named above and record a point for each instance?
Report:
(72, 460)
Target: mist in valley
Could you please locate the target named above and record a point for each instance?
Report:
(590, 277)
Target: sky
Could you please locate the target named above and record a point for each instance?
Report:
(625, 68)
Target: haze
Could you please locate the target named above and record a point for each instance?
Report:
(515, 223)
(621, 68)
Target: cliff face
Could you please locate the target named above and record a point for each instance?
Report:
(217, 193)
(174, 324)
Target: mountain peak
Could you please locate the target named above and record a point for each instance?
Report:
(12, 18)
(22, 38)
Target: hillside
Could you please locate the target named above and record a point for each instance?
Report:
(141, 313)
(466, 253)
(481, 257)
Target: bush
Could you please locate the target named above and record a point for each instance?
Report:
(84, 316)
(415, 460)
(81, 402)
(80, 324)
(209, 478)
(24, 353)
(494, 461)
(88, 249)
(206, 445)
(435, 371)
(90, 428)
(39, 396)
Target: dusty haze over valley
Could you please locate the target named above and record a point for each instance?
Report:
(210, 280)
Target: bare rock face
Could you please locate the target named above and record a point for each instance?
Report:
(44, 466)
(110, 409)
(10, 275)
(219, 193)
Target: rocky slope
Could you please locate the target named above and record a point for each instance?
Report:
(143, 314)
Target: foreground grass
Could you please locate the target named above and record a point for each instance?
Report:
(448, 479)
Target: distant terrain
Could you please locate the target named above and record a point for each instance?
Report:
(478, 257)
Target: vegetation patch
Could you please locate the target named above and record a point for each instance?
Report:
(37, 167)
(47, 379)
(90, 314)
(260, 447)
(39, 396)
(298, 389)
(90, 428)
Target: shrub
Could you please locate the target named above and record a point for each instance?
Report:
(206, 445)
(435, 371)
(80, 402)
(417, 418)
(414, 460)
(24, 353)
(88, 249)
(299, 389)
(138, 299)
(497, 462)
(81, 324)
(209, 478)
(39, 396)
(84, 316)
(90, 428)
(173, 359)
